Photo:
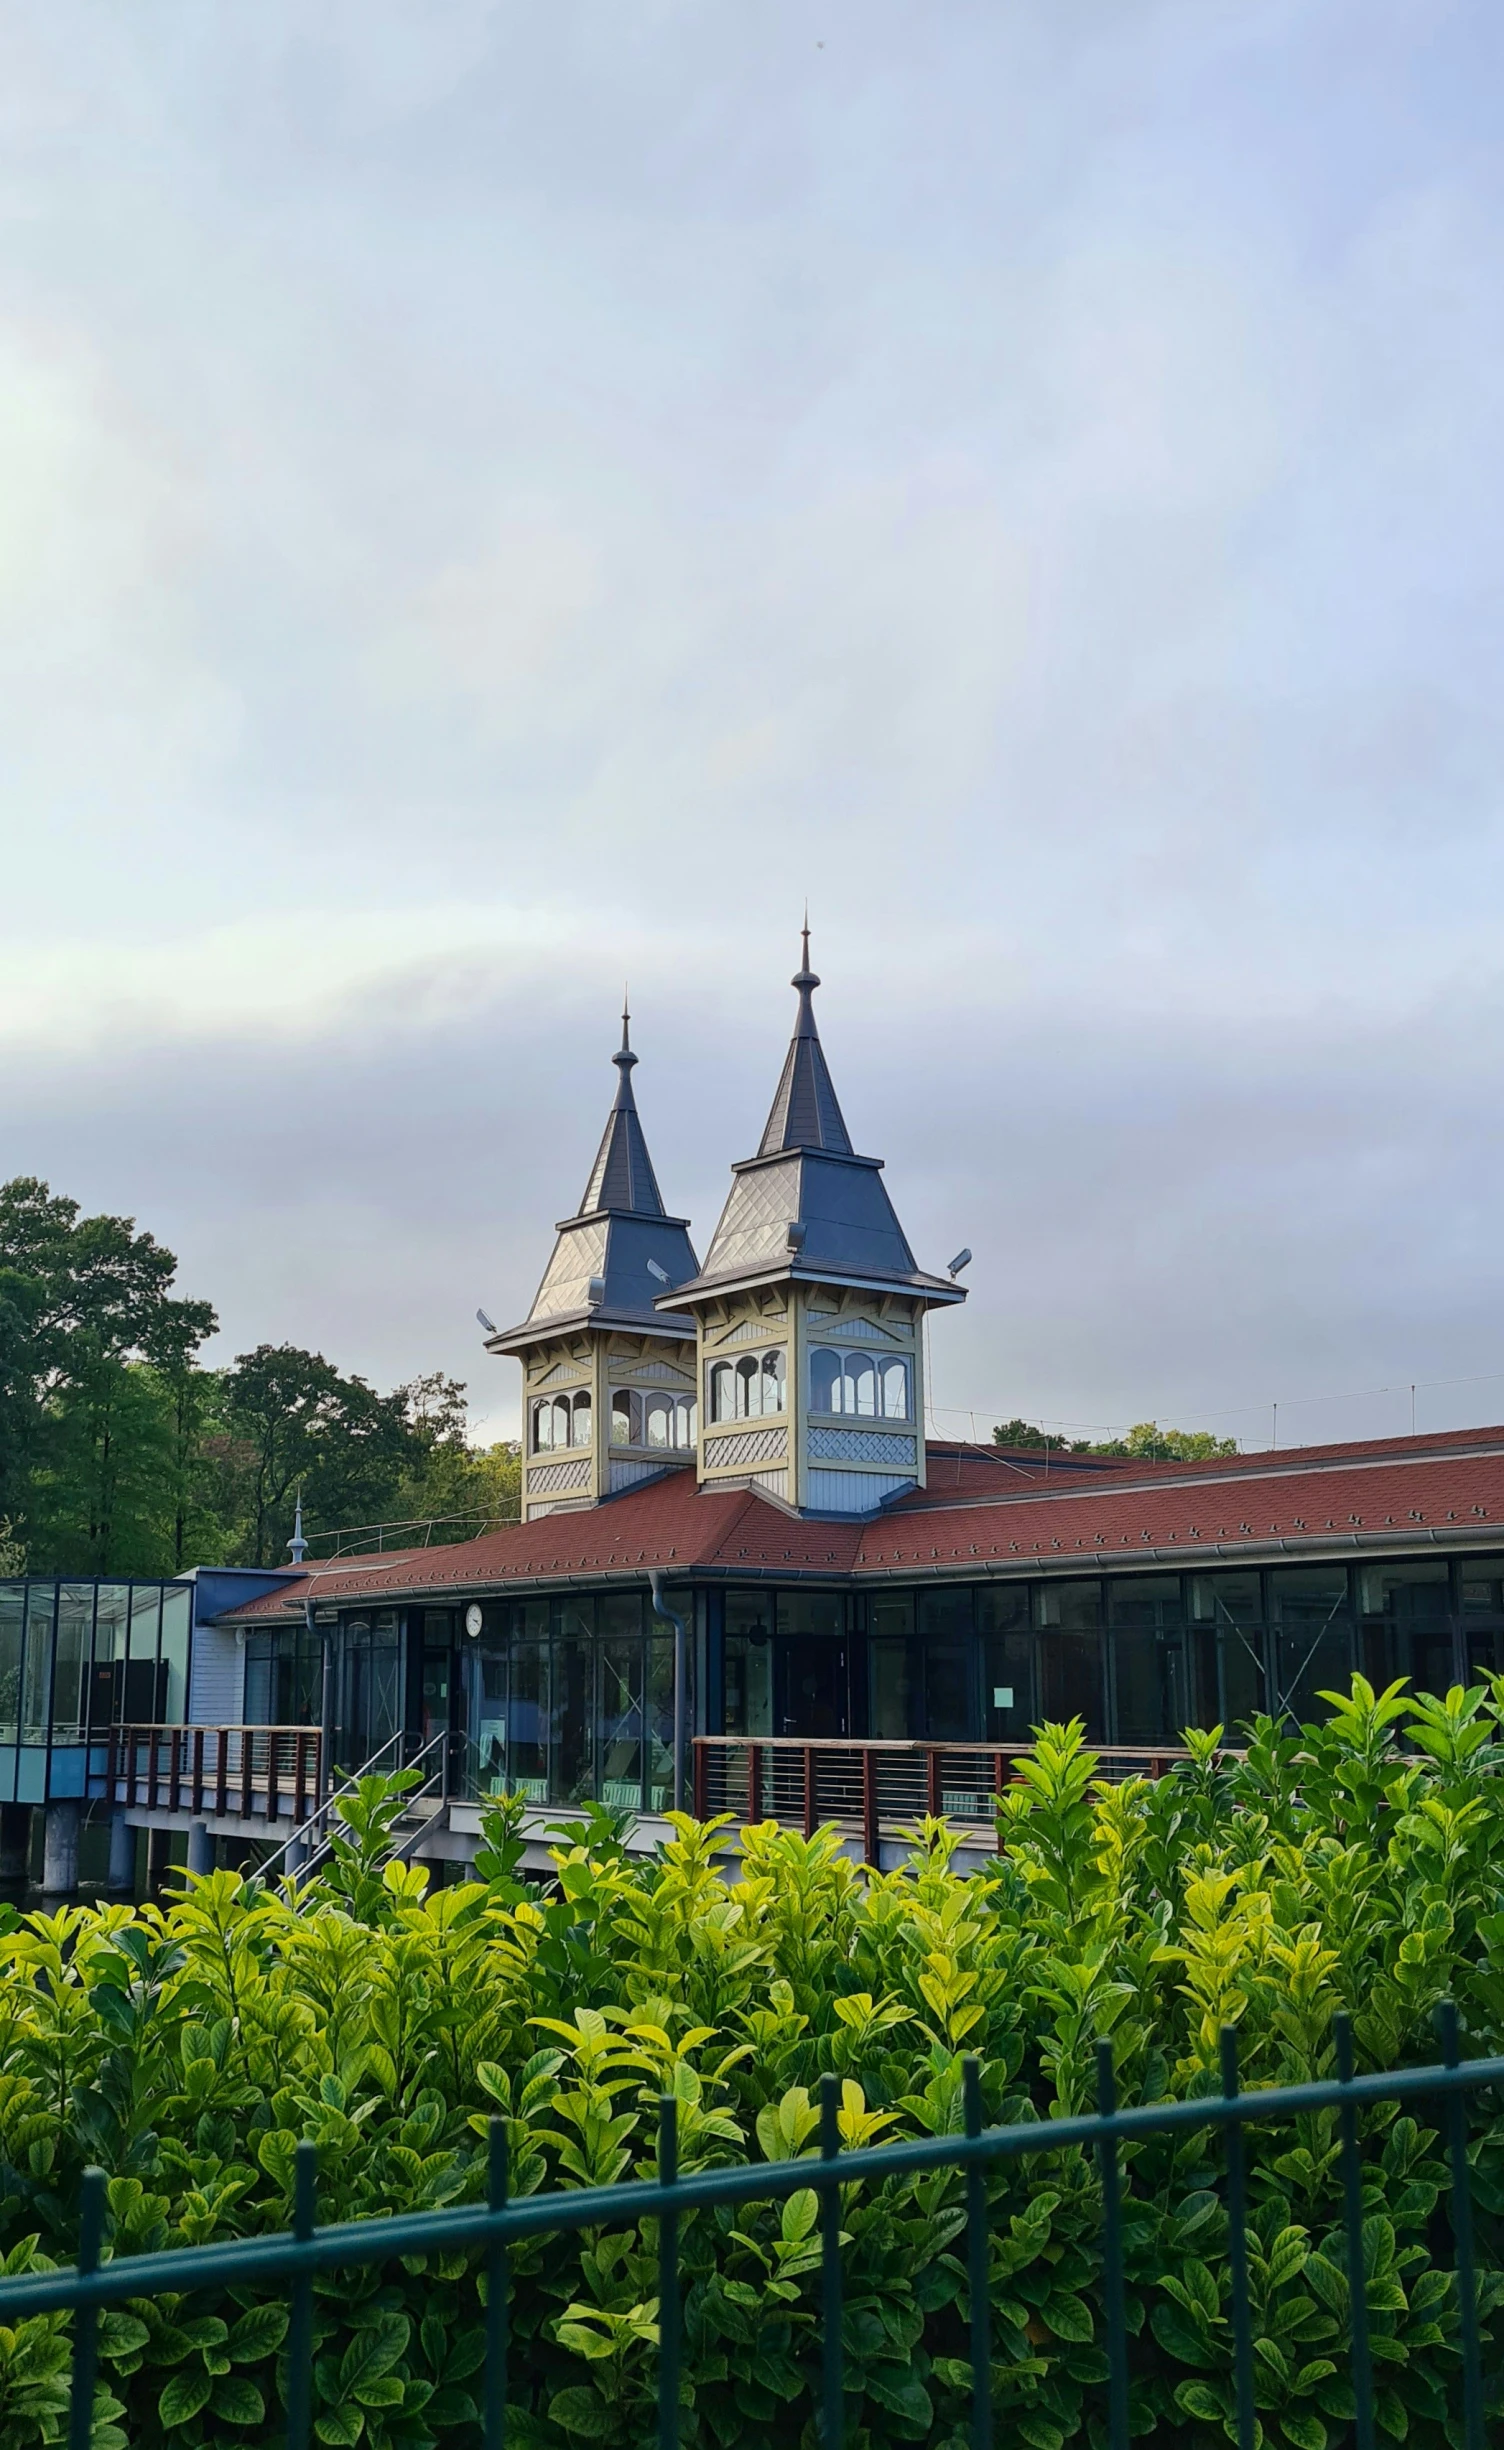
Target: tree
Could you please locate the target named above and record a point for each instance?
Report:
(457, 1487)
(304, 1427)
(87, 1313)
(1145, 1439)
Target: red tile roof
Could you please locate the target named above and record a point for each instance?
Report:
(1390, 1492)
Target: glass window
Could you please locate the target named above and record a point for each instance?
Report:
(824, 1380)
(1226, 1599)
(581, 1412)
(722, 1391)
(527, 1728)
(1148, 1687)
(36, 1683)
(861, 1385)
(621, 1417)
(1307, 1594)
(543, 1426)
(1072, 1683)
(112, 1613)
(177, 1607)
(1405, 1590)
(75, 1628)
(12, 1612)
(1008, 1686)
(1073, 1606)
(897, 1404)
(811, 1613)
(1483, 1585)
(619, 1729)
(490, 1674)
(748, 1387)
(1244, 1689)
(1151, 1600)
(143, 1679)
(772, 1381)
(660, 1722)
(260, 1652)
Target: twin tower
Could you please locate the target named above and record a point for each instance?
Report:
(792, 1361)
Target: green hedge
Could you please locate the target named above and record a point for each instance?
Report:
(188, 2050)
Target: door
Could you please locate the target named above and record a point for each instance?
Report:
(810, 1685)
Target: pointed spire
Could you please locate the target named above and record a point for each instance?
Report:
(297, 1545)
(806, 1112)
(622, 1176)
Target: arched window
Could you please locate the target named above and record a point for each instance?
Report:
(746, 1389)
(666, 1421)
(581, 1421)
(860, 1385)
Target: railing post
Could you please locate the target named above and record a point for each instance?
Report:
(153, 1737)
(299, 1780)
(1237, 2247)
(811, 1809)
(670, 2311)
(1462, 2235)
(1114, 2304)
(86, 2317)
(222, 1770)
(271, 1775)
(754, 1782)
(871, 1836)
(495, 2419)
(130, 1764)
(247, 1760)
(832, 2375)
(198, 1769)
(979, 2267)
(932, 1789)
(300, 2329)
(701, 1774)
(1357, 2272)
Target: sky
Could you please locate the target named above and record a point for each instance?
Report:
(499, 499)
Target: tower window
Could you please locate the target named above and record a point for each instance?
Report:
(863, 1386)
(561, 1421)
(667, 1421)
(744, 1390)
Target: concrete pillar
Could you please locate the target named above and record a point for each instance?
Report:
(122, 1851)
(15, 1841)
(200, 1848)
(292, 1861)
(60, 1850)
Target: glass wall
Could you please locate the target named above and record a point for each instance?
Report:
(284, 1677)
(77, 1658)
(1140, 1657)
(574, 1697)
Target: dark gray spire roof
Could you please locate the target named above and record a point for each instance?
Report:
(622, 1177)
(613, 1258)
(806, 1206)
(806, 1112)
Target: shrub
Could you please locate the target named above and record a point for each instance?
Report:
(1359, 1864)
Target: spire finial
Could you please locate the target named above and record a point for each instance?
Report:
(806, 981)
(297, 1544)
(625, 1059)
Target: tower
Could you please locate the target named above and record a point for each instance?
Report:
(608, 1379)
(810, 1309)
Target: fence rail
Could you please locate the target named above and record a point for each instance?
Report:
(217, 1771)
(493, 2225)
(876, 1784)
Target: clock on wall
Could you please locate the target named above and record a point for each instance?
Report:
(474, 1618)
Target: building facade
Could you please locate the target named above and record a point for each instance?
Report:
(738, 1445)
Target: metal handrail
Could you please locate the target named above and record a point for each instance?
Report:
(349, 1782)
(368, 1769)
(399, 1854)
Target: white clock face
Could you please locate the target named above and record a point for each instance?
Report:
(473, 1617)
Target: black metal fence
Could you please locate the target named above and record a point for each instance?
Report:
(492, 2226)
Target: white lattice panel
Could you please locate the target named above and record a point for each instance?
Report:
(860, 1446)
(745, 1446)
(549, 1476)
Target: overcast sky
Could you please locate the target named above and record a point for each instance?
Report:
(498, 498)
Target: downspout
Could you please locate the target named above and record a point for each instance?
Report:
(672, 1617)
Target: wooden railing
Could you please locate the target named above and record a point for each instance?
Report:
(876, 1784)
(247, 1771)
